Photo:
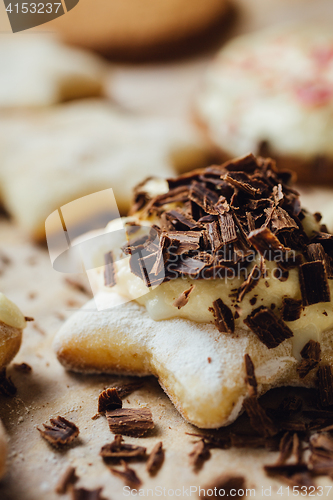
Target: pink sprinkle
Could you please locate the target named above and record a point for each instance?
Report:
(314, 94)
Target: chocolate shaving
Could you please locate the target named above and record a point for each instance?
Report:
(22, 368)
(109, 400)
(7, 387)
(314, 283)
(325, 385)
(292, 474)
(156, 459)
(224, 319)
(125, 390)
(66, 481)
(228, 228)
(183, 298)
(128, 475)
(61, 431)
(117, 449)
(259, 419)
(251, 380)
(266, 243)
(129, 421)
(199, 454)
(231, 485)
(83, 494)
(270, 330)
(311, 356)
(29, 318)
(109, 270)
(285, 448)
(291, 309)
(251, 281)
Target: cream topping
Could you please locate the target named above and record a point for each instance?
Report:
(10, 314)
(269, 292)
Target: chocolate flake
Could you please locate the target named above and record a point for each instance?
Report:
(125, 390)
(22, 368)
(285, 448)
(251, 281)
(61, 431)
(7, 387)
(270, 329)
(199, 454)
(156, 459)
(66, 481)
(117, 449)
(109, 270)
(251, 380)
(183, 298)
(259, 419)
(128, 475)
(325, 385)
(314, 283)
(224, 319)
(291, 309)
(83, 494)
(311, 356)
(109, 400)
(233, 486)
(129, 421)
(29, 318)
(265, 242)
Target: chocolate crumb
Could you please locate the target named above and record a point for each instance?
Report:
(66, 481)
(209, 360)
(109, 400)
(259, 419)
(199, 454)
(156, 459)
(183, 298)
(80, 287)
(224, 319)
(128, 475)
(233, 486)
(291, 309)
(251, 380)
(125, 390)
(7, 387)
(269, 328)
(22, 368)
(29, 318)
(61, 431)
(83, 494)
(253, 301)
(314, 283)
(117, 449)
(129, 421)
(311, 356)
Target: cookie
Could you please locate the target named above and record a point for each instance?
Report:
(52, 157)
(3, 450)
(222, 263)
(270, 92)
(141, 30)
(12, 323)
(38, 71)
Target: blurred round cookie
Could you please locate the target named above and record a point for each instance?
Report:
(271, 92)
(141, 29)
(38, 70)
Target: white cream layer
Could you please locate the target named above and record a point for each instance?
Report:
(158, 301)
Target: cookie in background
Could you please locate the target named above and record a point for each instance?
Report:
(54, 156)
(270, 92)
(38, 70)
(142, 29)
